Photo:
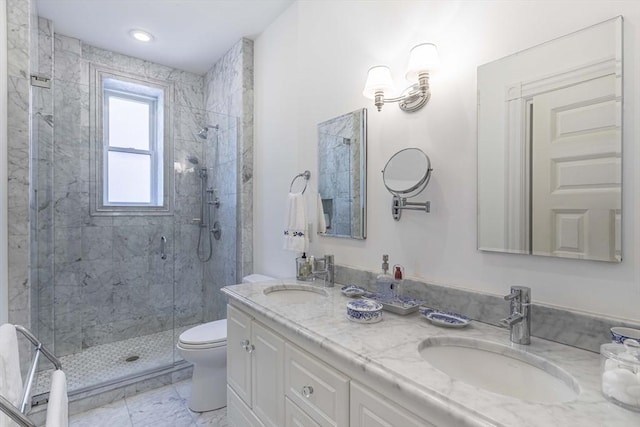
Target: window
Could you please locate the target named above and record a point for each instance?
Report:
(132, 166)
(132, 158)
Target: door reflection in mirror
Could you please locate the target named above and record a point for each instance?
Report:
(550, 148)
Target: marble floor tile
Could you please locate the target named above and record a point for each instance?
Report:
(113, 414)
(161, 407)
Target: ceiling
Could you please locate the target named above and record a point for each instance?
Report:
(190, 35)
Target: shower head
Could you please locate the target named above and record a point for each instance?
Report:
(193, 160)
(204, 132)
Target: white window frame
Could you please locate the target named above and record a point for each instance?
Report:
(106, 83)
(154, 152)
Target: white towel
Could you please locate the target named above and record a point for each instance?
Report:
(58, 406)
(322, 223)
(10, 379)
(295, 225)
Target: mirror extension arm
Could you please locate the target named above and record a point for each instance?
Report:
(398, 204)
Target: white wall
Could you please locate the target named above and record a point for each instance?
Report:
(310, 65)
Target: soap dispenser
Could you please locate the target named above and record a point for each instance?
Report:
(384, 281)
(303, 268)
(398, 275)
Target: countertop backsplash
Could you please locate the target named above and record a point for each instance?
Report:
(577, 329)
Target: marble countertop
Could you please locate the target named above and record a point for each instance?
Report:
(388, 351)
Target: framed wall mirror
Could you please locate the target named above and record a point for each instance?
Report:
(342, 175)
(550, 148)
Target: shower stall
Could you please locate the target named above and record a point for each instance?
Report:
(111, 293)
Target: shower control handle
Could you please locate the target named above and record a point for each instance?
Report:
(163, 244)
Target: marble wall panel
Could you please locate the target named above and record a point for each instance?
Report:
(19, 34)
(18, 37)
(229, 90)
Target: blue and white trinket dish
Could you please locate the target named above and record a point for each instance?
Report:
(364, 311)
(446, 319)
(353, 291)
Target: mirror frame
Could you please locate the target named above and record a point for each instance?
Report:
(359, 133)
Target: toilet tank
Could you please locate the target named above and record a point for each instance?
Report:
(254, 278)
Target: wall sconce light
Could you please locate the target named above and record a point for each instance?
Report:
(422, 59)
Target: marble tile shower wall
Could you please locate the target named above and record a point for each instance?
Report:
(42, 177)
(110, 282)
(229, 90)
(19, 33)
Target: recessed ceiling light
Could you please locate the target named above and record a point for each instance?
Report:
(141, 36)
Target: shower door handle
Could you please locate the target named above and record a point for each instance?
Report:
(163, 244)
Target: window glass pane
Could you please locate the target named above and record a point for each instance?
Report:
(129, 178)
(128, 123)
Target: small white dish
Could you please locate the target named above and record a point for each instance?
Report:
(445, 319)
(364, 311)
(353, 291)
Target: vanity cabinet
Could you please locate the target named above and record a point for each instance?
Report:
(321, 391)
(274, 383)
(295, 417)
(370, 409)
(255, 369)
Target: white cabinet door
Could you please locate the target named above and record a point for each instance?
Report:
(267, 375)
(321, 391)
(369, 409)
(238, 357)
(239, 414)
(295, 417)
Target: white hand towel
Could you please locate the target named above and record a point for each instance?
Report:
(10, 379)
(322, 224)
(295, 225)
(58, 406)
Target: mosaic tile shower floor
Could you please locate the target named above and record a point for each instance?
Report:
(107, 362)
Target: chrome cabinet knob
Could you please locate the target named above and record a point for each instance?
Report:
(247, 346)
(307, 391)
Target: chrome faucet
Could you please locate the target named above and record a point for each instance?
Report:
(327, 270)
(519, 320)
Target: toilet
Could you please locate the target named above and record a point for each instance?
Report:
(205, 346)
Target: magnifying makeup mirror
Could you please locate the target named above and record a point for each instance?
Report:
(406, 175)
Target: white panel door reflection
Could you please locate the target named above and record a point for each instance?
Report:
(576, 159)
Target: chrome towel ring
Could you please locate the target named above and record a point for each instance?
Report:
(306, 175)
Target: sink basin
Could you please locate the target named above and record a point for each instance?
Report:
(295, 294)
(500, 369)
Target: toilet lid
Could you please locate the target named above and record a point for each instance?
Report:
(207, 333)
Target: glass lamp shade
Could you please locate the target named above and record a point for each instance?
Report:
(423, 57)
(378, 79)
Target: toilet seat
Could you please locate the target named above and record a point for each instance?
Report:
(207, 335)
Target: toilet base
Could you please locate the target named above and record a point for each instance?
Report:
(208, 389)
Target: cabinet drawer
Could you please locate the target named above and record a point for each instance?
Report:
(239, 414)
(370, 409)
(295, 417)
(319, 390)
